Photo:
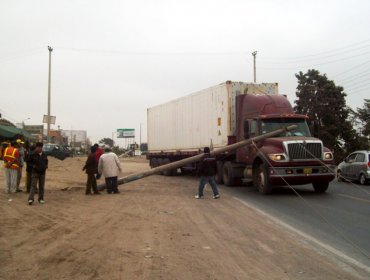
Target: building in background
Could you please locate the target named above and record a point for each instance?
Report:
(37, 132)
(76, 139)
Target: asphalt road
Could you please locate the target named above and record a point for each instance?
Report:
(345, 207)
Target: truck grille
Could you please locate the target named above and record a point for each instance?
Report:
(305, 150)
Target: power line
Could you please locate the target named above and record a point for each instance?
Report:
(325, 52)
(352, 68)
(138, 53)
(354, 77)
(318, 64)
(310, 59)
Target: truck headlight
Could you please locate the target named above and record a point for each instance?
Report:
(277, 157)
(328, 156)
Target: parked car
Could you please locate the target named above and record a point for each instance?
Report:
(56, 151)
(355, 167)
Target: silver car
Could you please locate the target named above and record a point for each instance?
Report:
(355, 167)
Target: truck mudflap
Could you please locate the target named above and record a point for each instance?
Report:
(301, 175)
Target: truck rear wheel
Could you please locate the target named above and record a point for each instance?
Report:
(262, 180)
(168, 172)
(227, 174)
(219, 174)
(320, 187)
(154, 162)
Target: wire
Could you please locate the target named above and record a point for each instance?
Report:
(352, 68)
(308, 59)
(138, 53)
(354, 77)
(318, 64)
(358, 87)
(326, 52)
(26, 54)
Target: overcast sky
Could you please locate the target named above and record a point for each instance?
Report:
(114, 59)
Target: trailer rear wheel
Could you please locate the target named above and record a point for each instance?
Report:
(320, 187)
(154, 162)
(227, 174)
(219, 174)
(262, 180)
(168, 172)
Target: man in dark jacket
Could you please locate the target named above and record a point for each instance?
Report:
(29, 168)
(91, 167)
(39, 162)
(207, 170)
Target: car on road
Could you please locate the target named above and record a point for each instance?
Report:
(56, 151)
(355, 167)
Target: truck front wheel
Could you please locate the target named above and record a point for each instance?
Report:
(262, 181)
(320, 187)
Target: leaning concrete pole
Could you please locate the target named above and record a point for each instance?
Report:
(180, 163)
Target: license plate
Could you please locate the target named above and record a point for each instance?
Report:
(307, 170)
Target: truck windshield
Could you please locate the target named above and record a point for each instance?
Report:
(268, 125)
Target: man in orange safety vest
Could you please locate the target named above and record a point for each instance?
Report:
(11, 166)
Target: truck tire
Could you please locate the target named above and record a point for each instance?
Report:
(227, 174)
(219, 175)
(262, 181)
(168, 172)
(160, 163)
(154, 163)
(320, 187)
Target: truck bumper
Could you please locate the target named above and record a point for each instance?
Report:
(301, 175)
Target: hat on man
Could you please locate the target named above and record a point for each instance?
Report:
(19, 141)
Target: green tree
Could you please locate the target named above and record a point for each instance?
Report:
(325, 105)
(107, 141)
(364, 118)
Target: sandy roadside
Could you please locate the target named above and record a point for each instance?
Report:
(153, 229)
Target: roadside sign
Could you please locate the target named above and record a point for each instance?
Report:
(125, 133)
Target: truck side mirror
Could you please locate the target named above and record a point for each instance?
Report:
(246, 130)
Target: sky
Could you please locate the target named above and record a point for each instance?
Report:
(112, 60)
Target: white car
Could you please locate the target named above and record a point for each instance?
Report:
(355, 167)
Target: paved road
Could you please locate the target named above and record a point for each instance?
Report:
(345, 205)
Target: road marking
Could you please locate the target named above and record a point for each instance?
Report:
(353, 197)
(307, 237)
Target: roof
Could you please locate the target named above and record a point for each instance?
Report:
(7, 131)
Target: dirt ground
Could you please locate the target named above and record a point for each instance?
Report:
(153, 229)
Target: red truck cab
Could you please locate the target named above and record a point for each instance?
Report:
(292, 158)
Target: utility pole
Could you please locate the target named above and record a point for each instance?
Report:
(140, 135)
(49, 96)
(254, 65)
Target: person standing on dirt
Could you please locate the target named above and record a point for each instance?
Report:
(91, 169)
(29, 168)
(11, 165)
(207, 170)
(99, 152)
(110, 167)
(39, 162)
(21, 152)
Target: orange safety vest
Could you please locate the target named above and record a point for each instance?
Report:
(11, 155)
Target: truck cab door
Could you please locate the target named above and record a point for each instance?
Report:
(248, 129)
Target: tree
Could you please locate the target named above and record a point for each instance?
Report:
(364, 118)
(107, 141)
(325, 105)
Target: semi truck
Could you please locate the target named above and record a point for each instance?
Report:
(232, 112)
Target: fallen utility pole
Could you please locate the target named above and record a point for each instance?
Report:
(180, 163)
